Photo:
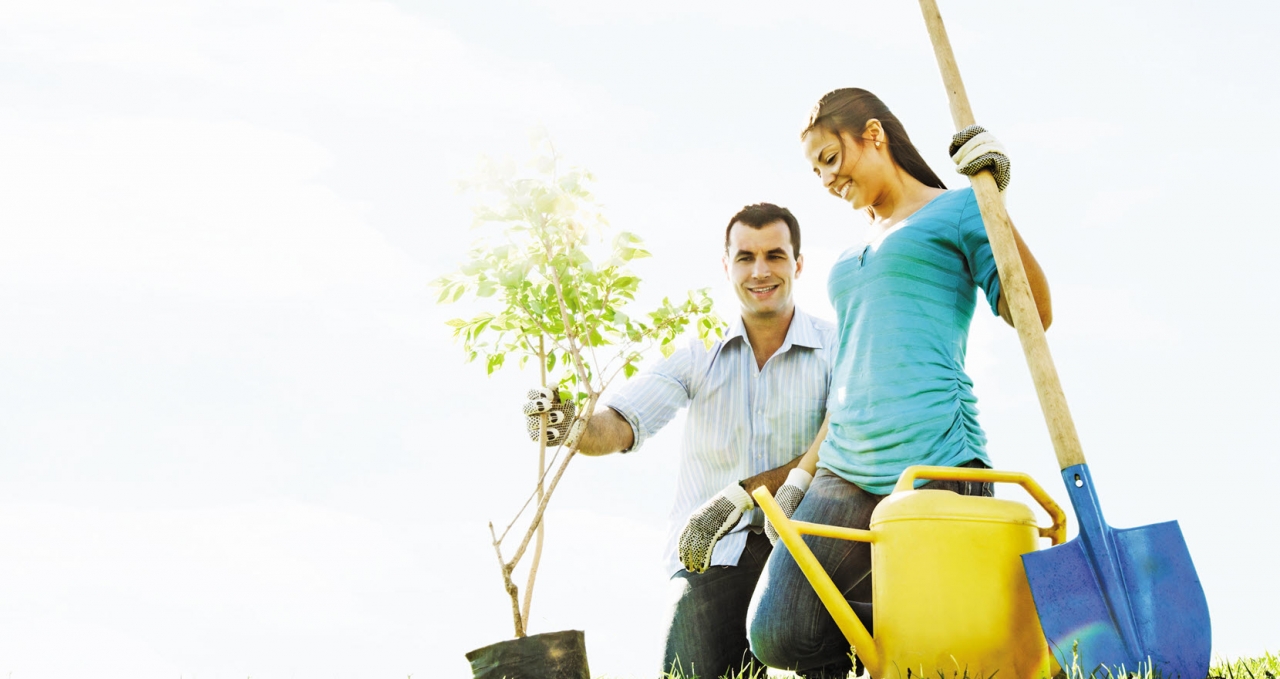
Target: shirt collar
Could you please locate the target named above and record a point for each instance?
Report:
(736, 329)
(801, 333)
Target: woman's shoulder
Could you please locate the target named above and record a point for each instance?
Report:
(948, 209)
(956, 200)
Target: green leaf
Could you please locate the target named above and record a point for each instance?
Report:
(540, 227)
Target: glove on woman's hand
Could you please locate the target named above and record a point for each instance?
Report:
(708, 523)
(974, 149)
(788, 497)
(562, 427)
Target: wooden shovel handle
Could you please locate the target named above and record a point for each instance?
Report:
(1013, 278)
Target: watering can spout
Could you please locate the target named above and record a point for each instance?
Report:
(864, 645)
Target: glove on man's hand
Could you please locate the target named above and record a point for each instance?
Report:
(788, 497)
(708, 523)
(974, 149)
(562, 427)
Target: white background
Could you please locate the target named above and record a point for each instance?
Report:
(236, 438)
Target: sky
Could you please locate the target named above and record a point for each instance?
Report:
(237, 439)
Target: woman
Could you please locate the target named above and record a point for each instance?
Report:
(899, 392)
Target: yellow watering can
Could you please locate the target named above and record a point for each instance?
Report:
(950, 594)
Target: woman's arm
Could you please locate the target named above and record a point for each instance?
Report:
(809, 462)
(774, 478)
(1039, 292)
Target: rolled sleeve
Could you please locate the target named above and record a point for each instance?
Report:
(651, 399)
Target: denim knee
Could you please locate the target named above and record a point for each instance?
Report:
(777, 639)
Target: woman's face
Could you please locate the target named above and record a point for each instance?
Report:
(849, 168)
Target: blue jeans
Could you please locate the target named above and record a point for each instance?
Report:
(707, 630)
(788, 625)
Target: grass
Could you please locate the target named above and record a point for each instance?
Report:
(1265, 666)
(757, 673)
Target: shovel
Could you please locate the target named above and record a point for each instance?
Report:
(1124, 600)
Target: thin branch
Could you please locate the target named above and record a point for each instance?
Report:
(594, 359)
(546, 470)
(551, 488)
(605, 382)
(542, 460)
(531, 316)
(510, 586)
(566, 318)
(541, 508)
(604, 304)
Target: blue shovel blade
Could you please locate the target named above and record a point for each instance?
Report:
(1131, 599)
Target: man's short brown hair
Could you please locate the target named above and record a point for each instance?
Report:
(761, 215)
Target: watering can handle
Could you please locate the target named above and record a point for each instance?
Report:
(1013, 278)
(790, 532)
(1057, 532)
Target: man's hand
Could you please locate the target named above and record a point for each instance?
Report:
(788, 497)
(708, 523)
(562, 426)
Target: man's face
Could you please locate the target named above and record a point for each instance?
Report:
(761, 266)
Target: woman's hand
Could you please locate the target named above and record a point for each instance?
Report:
(788, 498)
(974, 149)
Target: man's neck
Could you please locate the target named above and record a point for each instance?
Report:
(766, 334)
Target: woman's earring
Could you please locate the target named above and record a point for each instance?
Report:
(877, 144)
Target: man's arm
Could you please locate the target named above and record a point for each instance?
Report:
(791, 492)
(708, 523)
(607, 432)
(772, 479)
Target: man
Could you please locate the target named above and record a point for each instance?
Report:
(756, 402)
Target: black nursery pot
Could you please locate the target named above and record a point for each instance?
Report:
(555, 655)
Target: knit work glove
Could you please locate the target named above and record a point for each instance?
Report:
(788, 497)
(974, 149)
(562, 426)
(708, 523)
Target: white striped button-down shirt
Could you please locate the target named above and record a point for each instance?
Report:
(742, 420)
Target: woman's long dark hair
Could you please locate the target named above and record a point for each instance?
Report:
(848, 110)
